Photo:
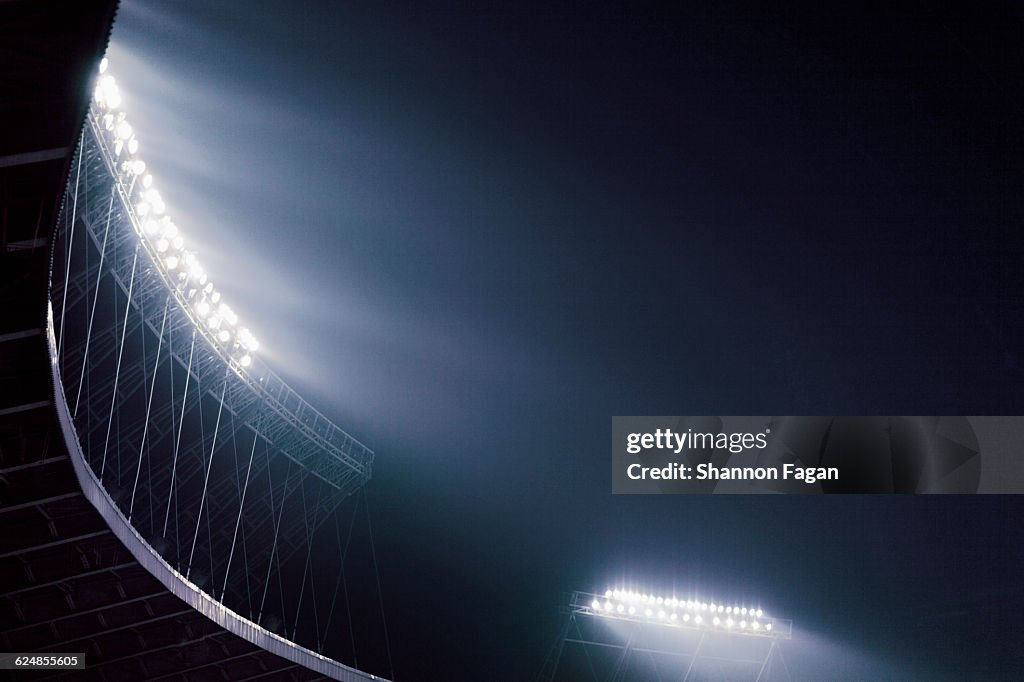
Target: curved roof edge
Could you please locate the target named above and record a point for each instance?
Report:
(174, 581)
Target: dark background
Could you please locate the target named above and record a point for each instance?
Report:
(472, 233)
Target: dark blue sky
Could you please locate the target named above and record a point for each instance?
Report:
(473, 233)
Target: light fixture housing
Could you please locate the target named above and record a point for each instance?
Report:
(668, 610)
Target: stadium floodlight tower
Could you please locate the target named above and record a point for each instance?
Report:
(624, 633)
(187, 437)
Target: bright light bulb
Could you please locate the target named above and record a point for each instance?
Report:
(224, 336)
(133, 146)
(142, 208)
(249, 342)
(720, 608)
(228, 314)
(760, 613)
(138, 166)
(607, 593)
(153, 197)
(744, 610)
(716, 621)
(246, 361)
(161, 245)
(203, 308)
(607, 604)
(123, 130)
(768, 626)
(686, 617)
(596, 605)
(755, 625)
(111, 95)
(103, 65)
(698, 620)
(743, 623)
(648, 613)
(215, 297)
(621, 608)
(661, 614)
(213, 322)
(147, 181)
(728, 623)
(172, 262)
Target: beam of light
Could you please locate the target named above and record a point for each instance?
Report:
(180, 267)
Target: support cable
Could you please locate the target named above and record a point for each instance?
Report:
(70, 243)
(120, 355)
(785, 668)
(305, 570)
(177, 440)
(149, 407)
(277, 527)
(586, 651)
(342, 581)
(380, 594)
(696, 652)
(206, 481)
(238, 521)
(95, 297)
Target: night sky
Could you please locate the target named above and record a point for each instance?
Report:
(472, 233)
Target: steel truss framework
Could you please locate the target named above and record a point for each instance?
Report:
(222, 469)
(603, 647)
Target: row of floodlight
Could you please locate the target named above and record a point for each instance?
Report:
(630, 597)
(743, 622)
(180, 265)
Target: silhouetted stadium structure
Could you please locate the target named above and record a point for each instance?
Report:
(169, 504)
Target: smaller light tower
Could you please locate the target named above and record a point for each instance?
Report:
(624, 633)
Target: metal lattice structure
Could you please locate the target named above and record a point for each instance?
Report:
(215, 463)
(623, 635)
